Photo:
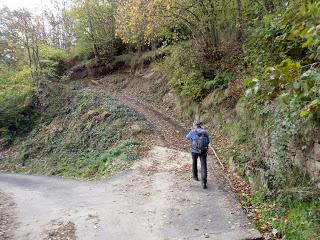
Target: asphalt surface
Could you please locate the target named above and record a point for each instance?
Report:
(156, 199)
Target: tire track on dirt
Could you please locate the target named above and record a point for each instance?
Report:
(167, 131)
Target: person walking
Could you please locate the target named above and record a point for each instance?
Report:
(199, 148)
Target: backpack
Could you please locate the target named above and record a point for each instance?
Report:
(201, 141)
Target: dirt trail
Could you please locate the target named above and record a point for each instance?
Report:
(156, 199)
(168, 132)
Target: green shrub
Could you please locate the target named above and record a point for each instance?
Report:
(184, 69)
(289, 32)
(15, 90)
(83, 49)
(298, 25)
(236, 129)
(52, 53)
(219, 82)
(133, 59)
(275, 80)
(90, 166)
(52, 62)
(286, 83)
(307, 91)
(291, 217)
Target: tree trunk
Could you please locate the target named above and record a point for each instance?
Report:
(210, 38)
(37, 56)
(213, 27)
(29, 53)
(153, 45)
(94, 43)
(27, 44)
(139, 48)
(239, 20)
(34, 58)
(269, 5)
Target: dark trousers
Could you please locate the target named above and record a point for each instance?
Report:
(203, 160)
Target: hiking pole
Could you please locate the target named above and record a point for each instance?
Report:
(198, 115)
(216, 155)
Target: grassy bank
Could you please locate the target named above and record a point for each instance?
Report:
(82, 133)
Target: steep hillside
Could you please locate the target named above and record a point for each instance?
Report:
(226, 113)
(247, 143)
(81, 133)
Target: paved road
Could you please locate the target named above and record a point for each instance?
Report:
(156, 199)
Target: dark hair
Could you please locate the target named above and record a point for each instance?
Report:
(197, 123)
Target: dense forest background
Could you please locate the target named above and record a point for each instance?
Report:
(249, 69)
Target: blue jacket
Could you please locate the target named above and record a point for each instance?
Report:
(192, 137)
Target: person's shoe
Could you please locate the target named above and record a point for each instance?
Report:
(204, 185)
(196, 178)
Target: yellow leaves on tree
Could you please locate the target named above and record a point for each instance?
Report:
(141, 20)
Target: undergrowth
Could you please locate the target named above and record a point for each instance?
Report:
(90, 165)
(287, 216)
(92, 136)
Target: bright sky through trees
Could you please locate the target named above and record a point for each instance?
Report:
(32, 5)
